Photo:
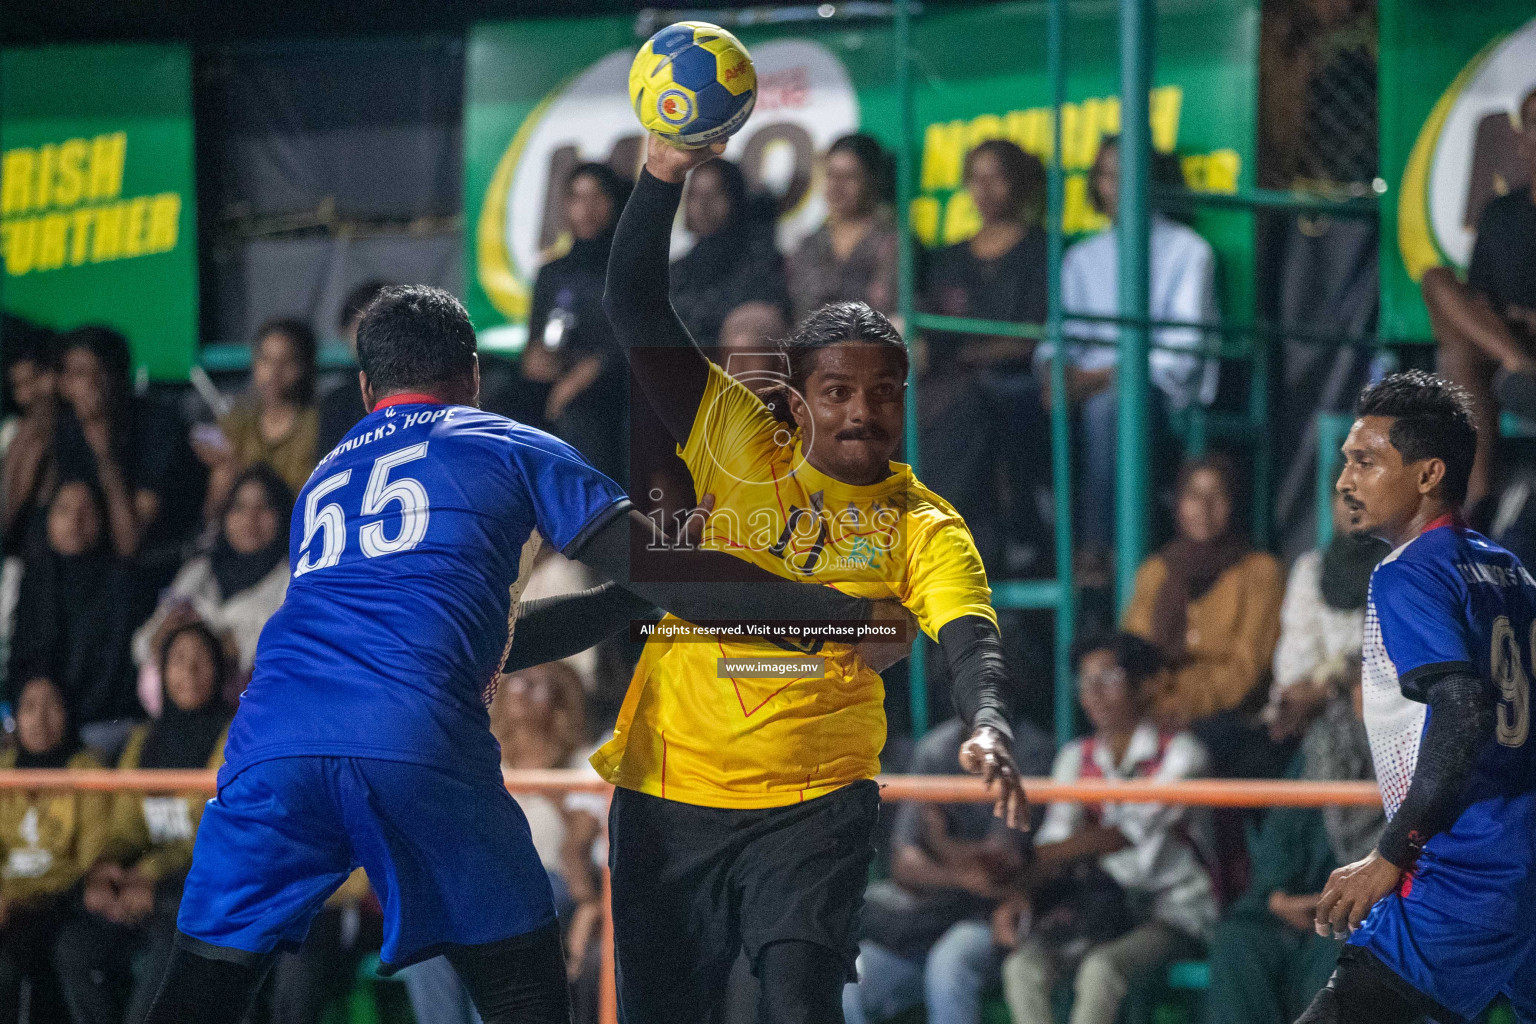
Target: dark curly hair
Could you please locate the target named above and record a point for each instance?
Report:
(1137, 656)
(879, 165)
(1164, 170)
(414, 337)
(305, 348)
(832, 324)
(1432, 419)
(1025, 174)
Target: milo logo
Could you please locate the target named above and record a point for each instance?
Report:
(1466, 154)
(805, 102)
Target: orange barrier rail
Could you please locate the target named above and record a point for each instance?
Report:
(923, 788)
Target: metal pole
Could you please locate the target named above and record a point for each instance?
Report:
(917, 675)
(1258, 422)
(1133, 228)
(1061, 451)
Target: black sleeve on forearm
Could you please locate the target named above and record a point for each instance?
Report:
(552, 628)
(1460, 720)
(754, 593)
(977, 672)
(638, 304)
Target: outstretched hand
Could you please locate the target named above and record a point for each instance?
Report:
(672, 163)
(988, 754)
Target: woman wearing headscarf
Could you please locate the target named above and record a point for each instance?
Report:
(49, 839)
(1321, 626)
(733, 260)
(75, 613)
(132, 451)
(1208, 600)
(235, 586)
(133, 890)
(570, 344)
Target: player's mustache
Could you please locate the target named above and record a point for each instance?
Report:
(870, 433)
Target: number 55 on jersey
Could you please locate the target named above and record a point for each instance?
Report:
(398, 542)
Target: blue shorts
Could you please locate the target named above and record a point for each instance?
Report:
(449, 856)
(1460, 964)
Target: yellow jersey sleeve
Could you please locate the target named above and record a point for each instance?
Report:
(946, 579)
(733, 431)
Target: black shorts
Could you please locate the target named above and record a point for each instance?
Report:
(1363, 990)
(692, 886)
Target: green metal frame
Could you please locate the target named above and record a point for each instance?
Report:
(1058, 594)
(1133, 231)
(1137, 200)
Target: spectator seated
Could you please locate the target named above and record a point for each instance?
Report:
(927, 941)
(1267, 962)
(133, 889)
(1486, 325)
(1116, 892)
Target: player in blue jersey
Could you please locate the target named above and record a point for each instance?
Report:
(1438, 916)
(363, 738)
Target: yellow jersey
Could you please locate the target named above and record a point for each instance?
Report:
(686, 734)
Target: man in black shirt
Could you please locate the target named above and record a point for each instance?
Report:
(342, 406)
(1486, 327)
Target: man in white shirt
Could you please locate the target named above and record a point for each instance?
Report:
(1183, 279)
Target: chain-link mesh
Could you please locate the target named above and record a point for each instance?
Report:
(1319, 95)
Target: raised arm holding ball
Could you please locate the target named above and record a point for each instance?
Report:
(744, 814)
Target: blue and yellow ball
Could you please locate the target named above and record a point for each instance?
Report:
(693, 83)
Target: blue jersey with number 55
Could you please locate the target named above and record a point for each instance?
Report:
(409, 546)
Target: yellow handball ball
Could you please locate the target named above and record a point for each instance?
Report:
(693, 83)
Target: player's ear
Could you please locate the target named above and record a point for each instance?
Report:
(366, 389)
(1431, 475)
(798, 409)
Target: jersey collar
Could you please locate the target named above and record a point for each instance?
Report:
(406, 398)
(814, 480)
(1449, 519)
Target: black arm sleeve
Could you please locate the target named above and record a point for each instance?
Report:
(754, 593)
(977, 673)
(1460, 720)
(637, 303)
(552, 628)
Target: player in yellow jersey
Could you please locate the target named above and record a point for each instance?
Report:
(745, 807)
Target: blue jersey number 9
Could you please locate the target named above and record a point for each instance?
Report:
(1514, 707)
(331, 522)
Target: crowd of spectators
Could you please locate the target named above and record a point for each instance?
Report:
(143, 557)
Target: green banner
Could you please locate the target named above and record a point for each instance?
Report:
(97, 208)
(543, 95)
(1452, 79)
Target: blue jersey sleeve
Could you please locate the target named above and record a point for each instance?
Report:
(571, 500)
(1424, 624)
